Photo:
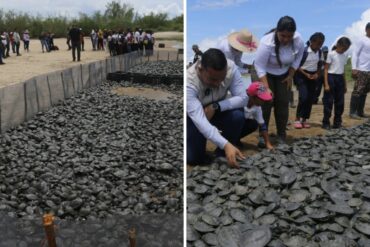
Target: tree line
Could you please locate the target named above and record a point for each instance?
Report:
(116, 16)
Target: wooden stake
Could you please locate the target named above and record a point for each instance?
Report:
(132, 237)
(48, 222)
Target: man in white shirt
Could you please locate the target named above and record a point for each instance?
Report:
(210, 115)
(360, 72)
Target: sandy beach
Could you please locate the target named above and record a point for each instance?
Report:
(34, 62)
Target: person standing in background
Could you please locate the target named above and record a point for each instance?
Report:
(335, 83)
(197, 53)
(306, 77)
(320, 81)
(17, 41)
(26, 40)
(74, 33)
(360, 72)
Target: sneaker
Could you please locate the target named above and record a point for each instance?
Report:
(326, 126)
(306, 125)
(354, 116)
(298, 125)
(261, 142)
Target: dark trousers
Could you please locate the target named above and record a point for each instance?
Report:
(26, 45)
(7, 48)
(17, 45)
(334, 97)
(76, 46)
(280, 103)
(306, 90)
(250, 126)
(1, 54)
(229, 122)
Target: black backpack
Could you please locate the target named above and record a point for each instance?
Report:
(305, 55)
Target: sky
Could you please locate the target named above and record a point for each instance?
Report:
(208, 21)
(71, 8)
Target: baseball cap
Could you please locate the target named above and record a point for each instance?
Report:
(324, 49)
(258, 89)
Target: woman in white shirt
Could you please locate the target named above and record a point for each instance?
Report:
(278, 56)
(335, 83)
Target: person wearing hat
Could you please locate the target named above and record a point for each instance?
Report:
(210, 114)
(237, 43)
(197, 53)
(320, 81)
(258, 94)
(360, 72)
(277, 58)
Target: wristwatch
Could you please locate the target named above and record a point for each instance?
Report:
(216, 107)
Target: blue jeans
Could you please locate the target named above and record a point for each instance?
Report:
(334, 97)
(229, 122)
(306, 89)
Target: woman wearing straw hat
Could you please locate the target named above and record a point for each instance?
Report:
(278, 57)
(237, 43)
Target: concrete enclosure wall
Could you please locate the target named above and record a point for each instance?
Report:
(20, 102)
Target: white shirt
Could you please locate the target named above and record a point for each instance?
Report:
(336, 62)
(312, 60)
(194, 106)
(137, 36)
(255, 112)
(231, 54)
(290, 55)
(361, 55)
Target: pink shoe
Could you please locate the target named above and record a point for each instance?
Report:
(298, 125)
(306, 125)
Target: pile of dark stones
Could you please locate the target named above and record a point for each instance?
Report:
(96, 155)
(163, 68)
(313, 193)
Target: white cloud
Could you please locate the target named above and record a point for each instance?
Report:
(204, 45)
(357, 29)
(71, 8)
(206, 4)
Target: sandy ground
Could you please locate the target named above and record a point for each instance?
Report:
(21, 68)
(250, 142)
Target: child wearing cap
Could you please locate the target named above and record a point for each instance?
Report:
(257, 94)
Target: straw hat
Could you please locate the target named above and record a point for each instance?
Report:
(243, 41)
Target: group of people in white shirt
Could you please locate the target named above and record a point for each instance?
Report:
(120, 42)
(223, 110)
(12, 40)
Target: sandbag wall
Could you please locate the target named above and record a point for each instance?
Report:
(21, 101)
